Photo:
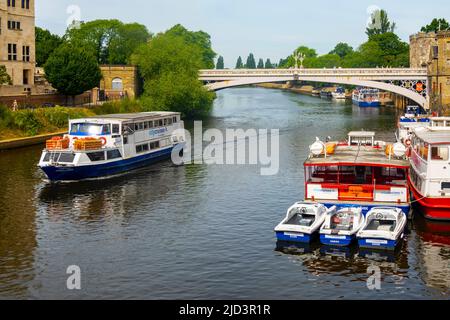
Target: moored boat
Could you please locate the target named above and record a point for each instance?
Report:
(360, 172)
(340, 227)
(112, 144)
(339, 94)
(366, 98)
(429, 177)
(383, 229)
(302, 221)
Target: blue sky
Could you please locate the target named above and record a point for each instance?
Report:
(269, 29)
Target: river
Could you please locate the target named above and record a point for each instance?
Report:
(204, 232)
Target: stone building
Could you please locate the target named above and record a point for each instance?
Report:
(17, 41)
(432, 50)
(119, 81)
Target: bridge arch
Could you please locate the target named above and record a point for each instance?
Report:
(414, 96)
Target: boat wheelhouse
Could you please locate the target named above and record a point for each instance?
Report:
(112, 144)
(360, 172)
(429, 176)
(340, 227)
(366, 98)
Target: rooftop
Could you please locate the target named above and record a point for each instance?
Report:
(433, 136)
(355, 155)
(134, 116)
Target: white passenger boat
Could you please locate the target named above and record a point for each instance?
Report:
(112, 144)
(302, 221)
(383, 229)
(429, 176)
(340, 227)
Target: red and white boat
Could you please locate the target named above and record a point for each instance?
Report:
(360, 172)
(429, 176)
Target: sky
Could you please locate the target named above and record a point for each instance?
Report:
(268, 29)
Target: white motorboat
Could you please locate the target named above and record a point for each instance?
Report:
(384, 228)
(302, 221)
(340, 227)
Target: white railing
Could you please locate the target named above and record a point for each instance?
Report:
(419, 72)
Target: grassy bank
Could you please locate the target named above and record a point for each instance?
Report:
(31, 122)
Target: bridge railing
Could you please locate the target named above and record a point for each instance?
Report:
(304, 71)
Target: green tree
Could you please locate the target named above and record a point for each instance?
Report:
(436, 25)
(239, 64)
(4, 76)
(73, 69)
(380, 23)
(198, 38)
(112, 41)
(220, 64)
(169, 66)
(125, 42)
(251, 63)
(268, 64)
(260, 64)
(325, 61)
(342, 49)
(46, 43)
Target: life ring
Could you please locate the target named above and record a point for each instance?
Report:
(104, 141)
(408, 142)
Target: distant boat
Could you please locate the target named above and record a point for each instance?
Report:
(326, 94)
(339, 93)
(366, 98)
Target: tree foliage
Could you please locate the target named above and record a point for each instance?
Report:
(112, 41)
(239, 63)
(268, 64)
(169, 66)
(4, 76)
(436, 25)
(251, 63)
(46, 43)
(380, 23)
(198, 38)
(220, 63)
(342, 50)
(260, 64)
(73, 69)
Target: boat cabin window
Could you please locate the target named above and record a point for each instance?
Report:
(160, 123)
(113, 154)
(422, 149)
(381, 225)
(445, 186)
(165, 122)
(84, 129)
(342, 221)
(115, 129)
(154, 145)
(439, 153)
(150, 124)
(169, 121)
(145, 125)
(174, 120)
(96, 156)
(142, 148)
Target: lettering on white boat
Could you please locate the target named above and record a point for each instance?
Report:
(335, 237)
(293, 235)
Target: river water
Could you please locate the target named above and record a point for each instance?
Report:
(204, 232)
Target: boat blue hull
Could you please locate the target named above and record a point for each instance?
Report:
(58, 173)
(293, 237)
(378, 243)
(367, 207)
(364, 104)
(332, 240)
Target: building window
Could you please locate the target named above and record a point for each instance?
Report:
(14, 25)
(26, 53)
(25, 4)
(12, 52)
(11, 3)
(117, 84)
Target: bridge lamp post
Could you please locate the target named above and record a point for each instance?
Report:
(299, 56)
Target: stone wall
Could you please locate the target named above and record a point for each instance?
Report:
(39, 100)
(127, 75)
